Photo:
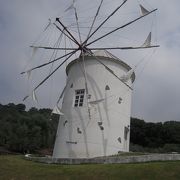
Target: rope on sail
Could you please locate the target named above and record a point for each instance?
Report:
(53, 72)
(110, 70)
(72, 52)
(105, 21)
(53, 56)
(64, 32)
(123, 26)
(95, 19)
(44, 80)
(77, 22)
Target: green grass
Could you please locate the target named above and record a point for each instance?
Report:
(16, 168)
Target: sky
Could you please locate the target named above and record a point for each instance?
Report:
(156, 94)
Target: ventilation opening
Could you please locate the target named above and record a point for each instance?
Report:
(107, 88)
(79, 131)
(119, 139)
(71, 142)
(126, 131)
(120, 100)
(65, 122)
(100, 126)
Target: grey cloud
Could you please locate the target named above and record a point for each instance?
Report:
(155, 96)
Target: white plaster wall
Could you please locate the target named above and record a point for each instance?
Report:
(94, 142)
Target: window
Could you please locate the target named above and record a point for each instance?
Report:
(79, 97)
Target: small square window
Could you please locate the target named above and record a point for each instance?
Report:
(79, 98)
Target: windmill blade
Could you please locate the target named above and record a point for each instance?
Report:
(53, 48)
(62, 93)
(45, 64)
(65, 28)
(143, 10)
(127, 24)
(25, 97)
(44, 80)
(105, 21)
(124, 48)
(64, 33)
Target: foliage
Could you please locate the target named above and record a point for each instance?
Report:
(26, 131)
(160, 137)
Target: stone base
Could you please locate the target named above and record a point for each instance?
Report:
(108, 160)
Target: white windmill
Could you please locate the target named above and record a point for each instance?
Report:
(95, 114)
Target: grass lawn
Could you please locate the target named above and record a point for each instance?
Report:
(16, 168)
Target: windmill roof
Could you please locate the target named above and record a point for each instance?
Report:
(103, 54)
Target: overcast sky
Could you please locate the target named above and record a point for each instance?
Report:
(156, 94)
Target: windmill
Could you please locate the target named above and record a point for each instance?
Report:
(95, 113)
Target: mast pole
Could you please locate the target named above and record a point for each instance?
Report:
(65, 28)
(64, 32)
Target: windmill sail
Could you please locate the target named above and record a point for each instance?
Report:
(57, 110)
(127, 76)
(34, 97)
(147, 42)
(48, 25)
(29, 74)
(143, 10)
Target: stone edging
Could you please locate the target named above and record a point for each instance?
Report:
(108, 160)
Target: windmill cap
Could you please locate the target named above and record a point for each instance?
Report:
(103, 55)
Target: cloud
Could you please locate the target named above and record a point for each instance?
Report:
(155, 96)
